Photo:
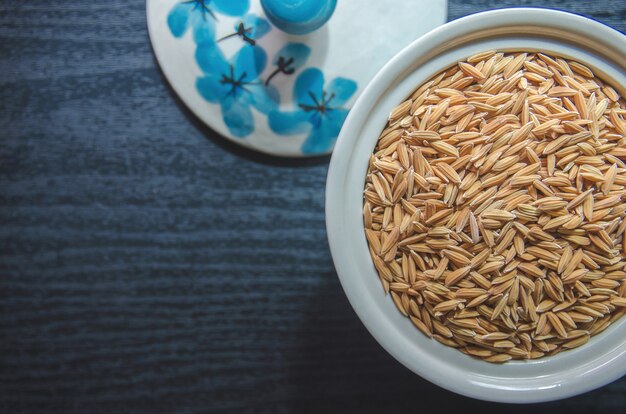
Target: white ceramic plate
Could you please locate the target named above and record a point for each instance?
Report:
(340, 59)
(600, 361)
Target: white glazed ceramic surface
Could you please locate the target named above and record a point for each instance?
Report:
(600, 361)
(353, 45)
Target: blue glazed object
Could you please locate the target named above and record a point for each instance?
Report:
(298, 17)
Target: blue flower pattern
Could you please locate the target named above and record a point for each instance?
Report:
(250, 29)
(200, 16)
(320, 110)
(289, 59)
(235, 83)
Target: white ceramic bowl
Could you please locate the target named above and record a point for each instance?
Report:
(600, 361)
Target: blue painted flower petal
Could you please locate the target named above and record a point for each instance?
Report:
(210, 88)
(178, 18)
(251, 60)
(231, 7)
(323, 137)
(203, 27)
(258, 25)
(237, 117)
(286, 123)
(315, 118)
(299, 52)
(211, 59)
(264, 98)
(336, 118)
(343, 89)
(310, 82)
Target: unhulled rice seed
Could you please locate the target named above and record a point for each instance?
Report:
(493, 206)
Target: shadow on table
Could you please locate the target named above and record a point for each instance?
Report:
(232, 147)
(347, 371)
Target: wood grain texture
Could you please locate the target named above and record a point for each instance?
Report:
(146, 265)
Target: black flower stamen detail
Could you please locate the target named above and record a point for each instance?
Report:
(201, 4)
(242, 32)
(318, 107)
(235, 83)
(282, 67)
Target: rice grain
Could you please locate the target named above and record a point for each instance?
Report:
(493, 206)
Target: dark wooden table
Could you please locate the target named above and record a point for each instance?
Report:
(146, 265)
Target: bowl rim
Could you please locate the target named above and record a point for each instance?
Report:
(574, 380)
